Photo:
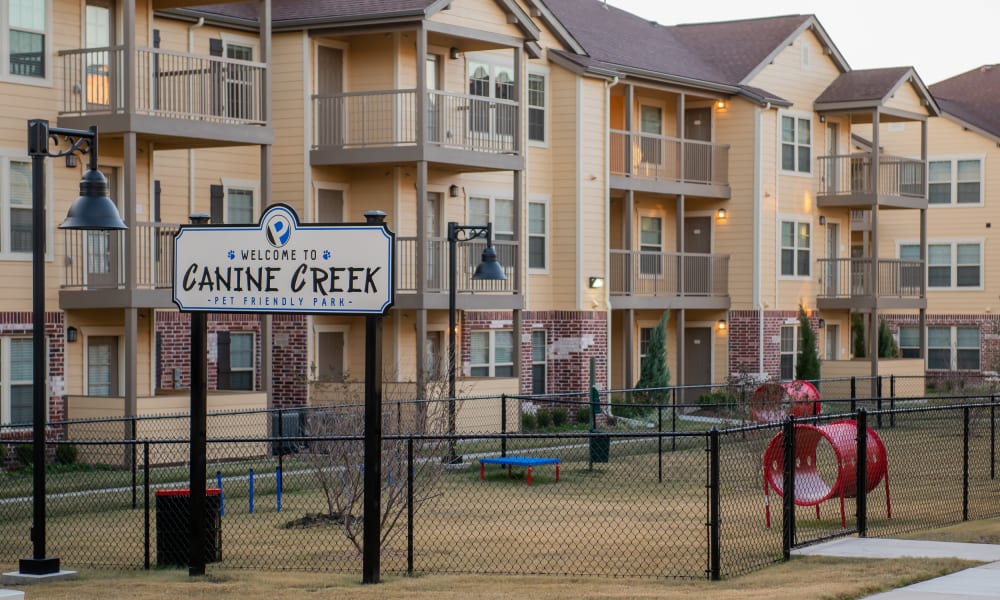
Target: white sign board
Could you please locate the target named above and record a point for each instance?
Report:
(278, 266)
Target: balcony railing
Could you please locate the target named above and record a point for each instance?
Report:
(851, 277)
(852, 174)
(95, 259)
(468, 255)
(388, 118)
(167, 84)
(658, 158)
(639, 273)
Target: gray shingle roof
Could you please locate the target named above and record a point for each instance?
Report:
(972, 97)
(863, 85)
(294, 10)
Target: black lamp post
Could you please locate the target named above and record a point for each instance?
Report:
(92, 210)
(488, 270)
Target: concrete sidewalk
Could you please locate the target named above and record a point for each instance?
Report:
(976, 583)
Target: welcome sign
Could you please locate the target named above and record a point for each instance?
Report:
(280, 266)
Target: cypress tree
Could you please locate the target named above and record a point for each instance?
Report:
(807, 362)
(654, 372)
(887, 347)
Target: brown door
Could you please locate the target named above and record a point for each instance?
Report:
(697, 269)
(697, 362)
(697, 146)
(330, 115)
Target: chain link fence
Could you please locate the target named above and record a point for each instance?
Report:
(620, 483)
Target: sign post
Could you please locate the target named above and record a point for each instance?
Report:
(280, 266)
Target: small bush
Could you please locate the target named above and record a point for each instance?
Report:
(544, 418)
(3, 455)
(560, 416)
(714, 398)
(66, 454)
(529, 422)
(23, 454)
(583, 415)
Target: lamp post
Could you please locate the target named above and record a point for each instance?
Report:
(92, 210)
(488, 270)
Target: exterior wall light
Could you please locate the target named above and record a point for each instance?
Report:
(596, 282)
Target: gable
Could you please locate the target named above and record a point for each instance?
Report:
(799, 72)
(487, 15)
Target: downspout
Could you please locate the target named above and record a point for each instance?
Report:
(192, 193)
(758, 177)
(607, 226)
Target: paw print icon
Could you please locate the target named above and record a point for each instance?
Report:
(326, 255)
(231, 254)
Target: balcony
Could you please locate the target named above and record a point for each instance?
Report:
(382, 127)
(662, 280)
(471, 294)
(176, 96)
(94, 273)
(853, 283)
(659, 164)
(848, 181)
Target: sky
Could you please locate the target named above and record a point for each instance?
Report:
(951, 38)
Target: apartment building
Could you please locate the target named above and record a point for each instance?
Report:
(961, 323)
(697, 169)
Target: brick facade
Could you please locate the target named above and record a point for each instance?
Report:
(572, 339)
(989, 332)
(744, 340)
(18, 324)
(288, 333)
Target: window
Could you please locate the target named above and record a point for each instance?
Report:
(796, 248)
(24, 27)
(491, 353)
(953, 348)
(650, 245)
(499, 211)
(493, 82)
(16, 375)
(536, 107)
(538, 370)
(796, 144)
(239, 83)
(239, 206)
(955, 265)
(18, 215)
(955, 181)
(909, 342)
(235, 368)
(536, 236)
(789, 339)
(651, 127)
(102, 366)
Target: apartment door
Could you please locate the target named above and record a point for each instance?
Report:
(330, 356)
(697, 269)
(102, 366)
(831, 279)
(331, 120)
(434, 358)
(697, 145)
(100, 62)
(832, 150)
(650, 140)
(240, 88)
(697, 362)
(436, 249)
(832, 341)
(103, 247)
(329, 206)
(433, 76)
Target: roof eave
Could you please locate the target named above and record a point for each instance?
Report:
(809, 23)
(970, 127)
(550, 21)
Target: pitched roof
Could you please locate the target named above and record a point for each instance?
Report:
(295, 10)
(972, 97)
(863, 85)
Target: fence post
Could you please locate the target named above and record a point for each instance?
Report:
(659, 443)
(892, 401)
(878, 401)
(854, 393)
(861, 483)
(965, 463)
(281, 441)
(673, 422)
(145, 478)
(993, 437)
(715, 507)
(503, 424)
(788, 488)
(409, 506)
(135, 466)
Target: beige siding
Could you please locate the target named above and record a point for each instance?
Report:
(477, 14)
(907, 98)
(291, 109)
(789, 79)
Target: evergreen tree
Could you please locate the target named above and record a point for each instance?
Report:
(654, 372)
(858, 333)
(807, 362)
(887, 347)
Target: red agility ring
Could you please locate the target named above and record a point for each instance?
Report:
(772, 402)
(811, 488)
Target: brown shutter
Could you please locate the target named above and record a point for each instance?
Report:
(223, 370)
(215, 195)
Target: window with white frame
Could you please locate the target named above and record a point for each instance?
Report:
(538, 363)
(537, 239)
(536, 107)
(16, 199)
(16, 376)
(645, 334)
(24, 38)
(235, 356)
(909, 342)
(789, 341)
(953, 348)
(796, 143)
(951, 265)
(492, 81)
(650, 245)
(485, 209)
(955, 181)
(796, 248)
(491, 353)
